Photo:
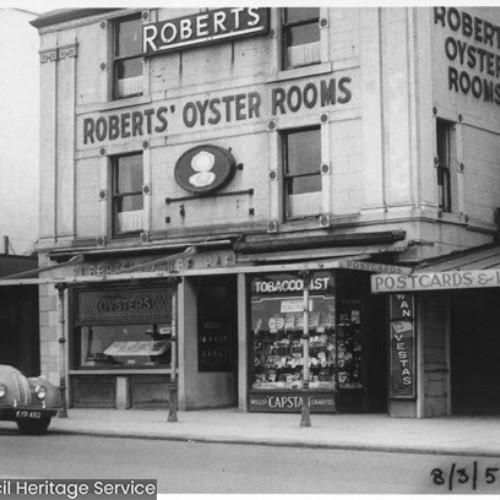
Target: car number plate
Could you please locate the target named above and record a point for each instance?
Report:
(28, 414)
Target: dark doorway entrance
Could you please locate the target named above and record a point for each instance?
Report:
(475, 352)
(218, 329)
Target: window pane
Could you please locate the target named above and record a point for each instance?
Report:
(301, 14)
(443, 142)
(308, 184)
(129, 345)
(128, 68)
(128, 37)
(130, 203)
(301, 35)
(129, 174)
(303, 152)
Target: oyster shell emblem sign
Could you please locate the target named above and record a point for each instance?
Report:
(204, 169)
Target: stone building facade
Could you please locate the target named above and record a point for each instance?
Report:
(252, 154)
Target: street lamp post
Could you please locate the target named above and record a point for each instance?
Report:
(305, 414)
(63, 409)
(172, 403)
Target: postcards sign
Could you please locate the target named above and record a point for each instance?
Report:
(203, 28)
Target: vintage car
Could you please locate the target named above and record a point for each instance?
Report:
(30, 402)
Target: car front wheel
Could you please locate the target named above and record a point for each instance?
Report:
(33, 427)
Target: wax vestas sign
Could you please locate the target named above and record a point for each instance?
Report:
(402, 357)
(203, 28)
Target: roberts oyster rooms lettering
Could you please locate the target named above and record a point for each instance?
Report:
(214, 109)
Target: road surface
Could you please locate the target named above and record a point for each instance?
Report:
(195, 467)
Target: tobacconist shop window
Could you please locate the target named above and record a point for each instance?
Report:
(128, 202)
(445, 139)
(300, 37)
(301, 172)
(127, 58)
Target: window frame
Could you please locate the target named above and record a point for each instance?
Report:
(286, 176)
(117, 196)
(444, 140)
(116, 59)
(286, 27)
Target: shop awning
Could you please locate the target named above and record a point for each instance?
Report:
(478, 258)
(478, 267)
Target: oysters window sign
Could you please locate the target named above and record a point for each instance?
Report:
(204, 169)
(203, 28)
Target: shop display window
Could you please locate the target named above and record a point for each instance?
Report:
(277, 319)
(118, 346)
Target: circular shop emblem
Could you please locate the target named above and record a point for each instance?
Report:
(204, 169)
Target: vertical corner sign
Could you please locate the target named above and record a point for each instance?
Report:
(203, 28)
(402, 356)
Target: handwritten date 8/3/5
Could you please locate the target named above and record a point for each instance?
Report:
(464, 477)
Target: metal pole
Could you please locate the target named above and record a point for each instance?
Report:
(172, 403)
(305, 416)
(63, 407)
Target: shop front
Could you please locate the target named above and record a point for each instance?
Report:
(227, 334)
(454, 330)
(121, 345)
(345, 347)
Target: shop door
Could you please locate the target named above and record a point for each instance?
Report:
(475, 352)
(376, 347)
(217, 336)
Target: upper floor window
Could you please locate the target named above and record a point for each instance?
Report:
(444, 151)
(300, 32)
(301, 172)
(128, 202)
(127, 57)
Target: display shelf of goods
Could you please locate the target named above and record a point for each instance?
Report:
(349, 346)
(279, 351)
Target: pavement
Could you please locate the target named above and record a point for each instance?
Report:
(469, 436)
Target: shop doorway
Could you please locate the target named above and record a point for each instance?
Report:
(217, 337)
(475, 351)
(377, 355)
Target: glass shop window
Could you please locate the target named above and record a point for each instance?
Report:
(302, 174)
(119, 346)
(127, 58)
(128, 202)
(301, 37)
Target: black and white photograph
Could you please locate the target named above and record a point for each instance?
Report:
(249, 249)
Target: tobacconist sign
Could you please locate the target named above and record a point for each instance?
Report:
(402, 357)
(291, 401)
(203, 28)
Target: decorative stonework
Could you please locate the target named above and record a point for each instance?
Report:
(58, 53)
(68, 51)
(48, 56)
